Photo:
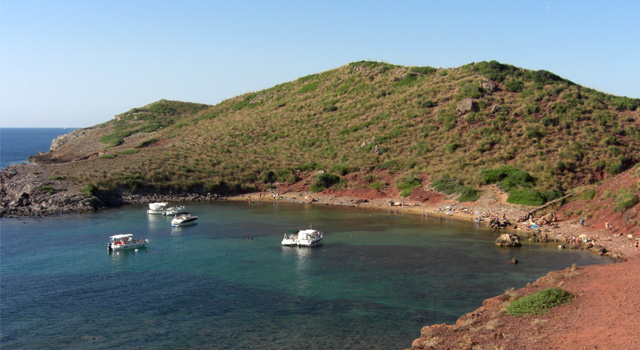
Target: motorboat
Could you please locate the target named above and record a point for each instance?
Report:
(303, 238)
(157, 208)
(163, 208)
(184, 219)
(125, 241)
(172, 211)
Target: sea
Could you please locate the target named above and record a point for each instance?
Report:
(17, 144)
(227, 283)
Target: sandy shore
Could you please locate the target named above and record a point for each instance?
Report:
(619, 245)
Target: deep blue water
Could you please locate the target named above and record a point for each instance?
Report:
(18, 144)
(377, 279)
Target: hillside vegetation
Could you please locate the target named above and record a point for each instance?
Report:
(533, 133)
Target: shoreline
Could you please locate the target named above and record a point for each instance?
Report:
(618, 246)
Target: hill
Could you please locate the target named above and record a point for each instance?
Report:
(533, 133)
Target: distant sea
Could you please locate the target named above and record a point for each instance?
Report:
(18, 144)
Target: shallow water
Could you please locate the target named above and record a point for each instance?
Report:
(227, 283)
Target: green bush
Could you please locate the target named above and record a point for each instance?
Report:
(309, 87)
(311, 166)
(406, 185)
(452, 147)
(540, 302)
(588, 194)
(526, 197)
(377, 185)
(625, 201)
(342, 169)
(129, 151)
(107, 156)
(269, 177)
(89, 190)
(287, 175)
(447, 184)
(324, 180)
(468, 194)
(514, 85)
(148, 142)
(48, 189)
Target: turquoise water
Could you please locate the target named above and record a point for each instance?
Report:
(226, 283)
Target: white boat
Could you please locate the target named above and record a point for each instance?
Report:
(126, 241)
(171, 211)
(157, 208)
(304, 238)
(185, 219)
(162, 208)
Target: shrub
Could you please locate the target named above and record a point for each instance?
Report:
(406, 185)
(588, 194)
(540, 302)
(287, 175)
(377, 185)
(626, 201)
(48, 189)
(129, 151)
(56, 177)
(324, 180)
(468, 194)
(447, 184)
(452, 147)
(514, 85)
(311, 166)
(148, 142)
(308, 87)
(526, 197)
(269, 177)
(89, 190)
(341, 169)
(107, 156)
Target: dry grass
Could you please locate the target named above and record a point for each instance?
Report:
(374, 114)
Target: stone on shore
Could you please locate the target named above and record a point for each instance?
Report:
(508, 240)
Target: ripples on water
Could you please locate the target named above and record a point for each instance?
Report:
(226, 283)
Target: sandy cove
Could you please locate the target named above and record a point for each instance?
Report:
(605, 313)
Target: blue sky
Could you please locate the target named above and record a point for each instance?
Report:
(78, 63)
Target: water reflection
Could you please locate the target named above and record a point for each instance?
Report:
(158, 221)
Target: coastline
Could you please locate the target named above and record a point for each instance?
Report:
(484, 328)
(603, 314)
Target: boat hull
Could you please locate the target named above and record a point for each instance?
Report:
(118, 247)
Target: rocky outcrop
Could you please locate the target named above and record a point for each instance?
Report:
(508, 240)
(467, 105)
(489, 86)
(66, 138)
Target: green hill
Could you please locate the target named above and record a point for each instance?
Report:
(533, 133)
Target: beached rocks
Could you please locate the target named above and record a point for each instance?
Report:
(547, 219)
(538, 237)
(496, 223)
(508, 240)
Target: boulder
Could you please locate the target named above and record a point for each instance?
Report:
(508, 240)
(489, 86)
(467, 105)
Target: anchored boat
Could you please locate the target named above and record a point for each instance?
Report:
(126, 241)
(185, 219)
(162, 208)
(304, 238)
